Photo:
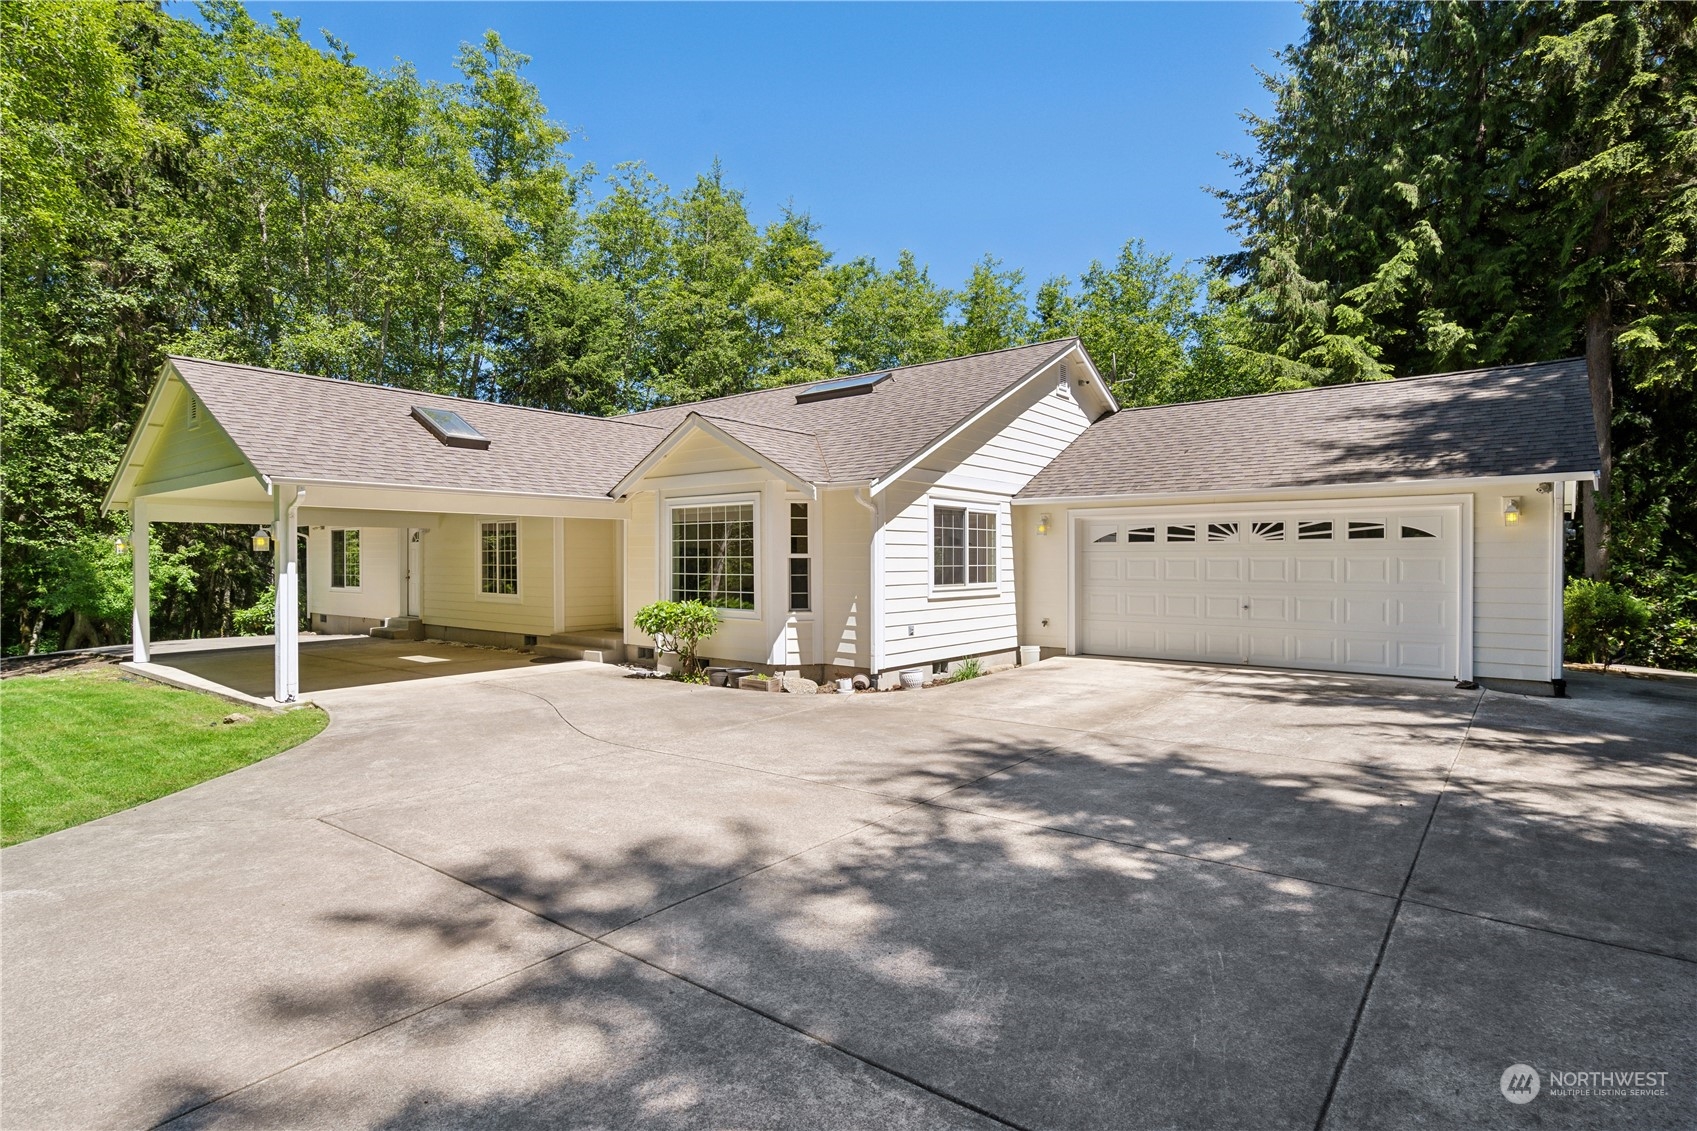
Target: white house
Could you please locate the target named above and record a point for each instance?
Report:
(908, 518)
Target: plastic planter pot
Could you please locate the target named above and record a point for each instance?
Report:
(913, 678)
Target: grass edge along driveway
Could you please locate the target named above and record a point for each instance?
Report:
(83, 744)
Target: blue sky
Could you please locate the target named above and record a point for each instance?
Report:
(1044, 134)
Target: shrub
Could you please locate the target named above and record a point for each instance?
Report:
(968, 669)
(1602, 621)
(255, 620)
(679, 627)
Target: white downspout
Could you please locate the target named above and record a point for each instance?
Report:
(876, 594)
(285, 662)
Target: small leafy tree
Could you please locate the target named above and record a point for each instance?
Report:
(1601, 620)
(679, 627)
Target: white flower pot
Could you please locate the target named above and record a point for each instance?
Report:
(913, 678)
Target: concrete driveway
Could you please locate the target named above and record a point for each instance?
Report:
(1088, 894)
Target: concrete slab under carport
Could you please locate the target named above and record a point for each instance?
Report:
(330, 664)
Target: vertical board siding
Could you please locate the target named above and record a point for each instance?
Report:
(989, 464)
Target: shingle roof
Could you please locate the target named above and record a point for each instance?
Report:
(867, 436)
(1508, 420)
(795, 452)
(292, 426)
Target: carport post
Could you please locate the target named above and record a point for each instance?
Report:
(285, 662)
(141, 605)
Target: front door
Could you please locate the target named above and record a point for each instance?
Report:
(415, 572)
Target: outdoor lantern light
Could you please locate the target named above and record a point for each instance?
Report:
(1511, 510)
(1043, 524)
(120, 545)
(261, 540)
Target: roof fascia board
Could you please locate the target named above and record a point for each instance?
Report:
(694, 422)
(147, 412)
(1156, 498)
(884, 481)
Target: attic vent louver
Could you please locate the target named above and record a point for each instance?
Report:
(449, 427)
(847, 387)
(191, 414)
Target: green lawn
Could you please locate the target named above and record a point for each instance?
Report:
(77, 746)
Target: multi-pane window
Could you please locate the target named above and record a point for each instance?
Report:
(801, 561)
(713, 555)
(963, 546)
(344, 559)
(498, 559)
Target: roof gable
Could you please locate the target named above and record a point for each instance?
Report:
(301, 428)
(872, 436)
(791, 456)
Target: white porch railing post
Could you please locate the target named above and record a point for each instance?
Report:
(141, 607)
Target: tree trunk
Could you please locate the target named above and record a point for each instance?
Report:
(83, 634)
(1599, 363)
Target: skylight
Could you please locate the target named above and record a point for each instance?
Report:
(847, 387)
(449, 427)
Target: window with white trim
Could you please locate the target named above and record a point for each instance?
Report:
(713, 554)
(498, 558)
(801, 561)
(963, 547)
(344, 559)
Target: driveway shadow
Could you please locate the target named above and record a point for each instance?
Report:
(1106, 931)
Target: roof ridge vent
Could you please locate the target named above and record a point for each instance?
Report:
(449, 427)
(845, 387)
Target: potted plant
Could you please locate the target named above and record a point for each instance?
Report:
(679, 627)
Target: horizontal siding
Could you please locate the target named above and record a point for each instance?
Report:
(379, 592)
(1511, 584)
(451, 584)
(845, 537)
(592, 584)
(990, 464)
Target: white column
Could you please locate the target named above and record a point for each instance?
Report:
(285, 663)
(141, 612)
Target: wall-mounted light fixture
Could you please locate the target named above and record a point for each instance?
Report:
(1511, 510)
(1043, 524)
(261, 540)
(120, 545)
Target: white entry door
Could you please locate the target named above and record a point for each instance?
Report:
(1343, 587)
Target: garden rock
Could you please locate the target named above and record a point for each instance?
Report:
(796, 685)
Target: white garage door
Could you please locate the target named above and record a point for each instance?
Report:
(1346, 588)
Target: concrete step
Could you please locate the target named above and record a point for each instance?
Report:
(600, 639)
(399, 628)
(579, 652)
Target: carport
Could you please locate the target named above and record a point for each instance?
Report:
(243, 669)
